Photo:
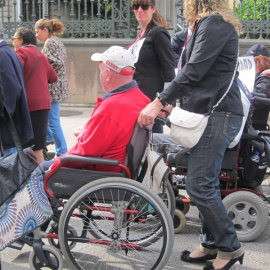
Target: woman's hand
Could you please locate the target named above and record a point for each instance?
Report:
(149, 113)
(168, 108)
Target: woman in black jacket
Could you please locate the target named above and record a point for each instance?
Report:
(152, 52)
(209, 63)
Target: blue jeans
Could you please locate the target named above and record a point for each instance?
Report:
(11, 150)
(54, 131)
(202, 182)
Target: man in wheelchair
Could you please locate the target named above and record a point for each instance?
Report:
(108, 131)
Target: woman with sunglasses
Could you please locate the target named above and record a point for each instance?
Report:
(151, 50)
(209, 65)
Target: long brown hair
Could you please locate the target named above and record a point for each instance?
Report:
(157, 18)
(54, 26)
(198, 9)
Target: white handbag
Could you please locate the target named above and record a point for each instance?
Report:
(188, 127)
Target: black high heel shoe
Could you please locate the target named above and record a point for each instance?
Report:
(227, 266)
(186, 258)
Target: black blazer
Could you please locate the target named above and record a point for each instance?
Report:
(208, 65)
(155, 64)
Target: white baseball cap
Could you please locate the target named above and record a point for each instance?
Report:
(116, 58)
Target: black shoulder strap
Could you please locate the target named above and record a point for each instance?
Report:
(12, 129)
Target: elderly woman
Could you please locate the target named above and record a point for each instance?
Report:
(37, 74)
(208, 64)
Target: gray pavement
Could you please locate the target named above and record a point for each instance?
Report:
(256, 252)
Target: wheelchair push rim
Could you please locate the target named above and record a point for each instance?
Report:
(119, 223)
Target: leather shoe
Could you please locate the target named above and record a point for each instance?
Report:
(227, 266)
(186, 258)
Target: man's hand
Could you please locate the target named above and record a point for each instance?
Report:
(77, 131)
(149, 113)
(266, 72)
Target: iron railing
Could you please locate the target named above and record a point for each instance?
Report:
(114, 18)
(253, 14)
(82, 18)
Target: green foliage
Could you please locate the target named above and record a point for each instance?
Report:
(245, 11)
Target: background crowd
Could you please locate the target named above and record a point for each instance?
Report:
(35, 82)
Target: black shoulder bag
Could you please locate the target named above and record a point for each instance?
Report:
(14, 168)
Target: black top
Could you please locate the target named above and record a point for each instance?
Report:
(178, 41)
(155, 64)
(208, 65)
(260, 114)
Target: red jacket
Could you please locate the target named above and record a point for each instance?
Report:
(110, 127)
(37, 90)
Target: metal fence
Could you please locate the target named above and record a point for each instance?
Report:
(253, 14)
(82, 18)
(114, 18)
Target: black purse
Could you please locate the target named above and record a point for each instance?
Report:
(14, 168)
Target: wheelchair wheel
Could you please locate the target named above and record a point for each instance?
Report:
(169, 199)
(54, 257)
(179, 221)
(124, 217)
(182, 206)
(248, 213)
(55, 242)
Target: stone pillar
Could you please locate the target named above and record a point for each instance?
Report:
(167, 9)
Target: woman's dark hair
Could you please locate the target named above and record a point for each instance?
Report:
(27, 35)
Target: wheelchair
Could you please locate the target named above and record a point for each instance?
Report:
(240, 180)
(104, 220)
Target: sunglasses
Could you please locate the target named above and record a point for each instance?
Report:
(137, 6)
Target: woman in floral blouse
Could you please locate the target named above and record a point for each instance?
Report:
(55, 51)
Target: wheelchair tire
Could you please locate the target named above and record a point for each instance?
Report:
(169, 199)
(182, 206)
(179, 221)
(55, 242)
(52, 254)
(111, 207)
(248, 213)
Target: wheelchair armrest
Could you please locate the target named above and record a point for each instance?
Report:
(89, 160)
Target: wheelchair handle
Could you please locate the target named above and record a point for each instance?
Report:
(163, 121)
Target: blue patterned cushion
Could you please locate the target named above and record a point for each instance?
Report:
(29, 209)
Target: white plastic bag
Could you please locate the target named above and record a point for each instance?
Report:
(157, 171)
